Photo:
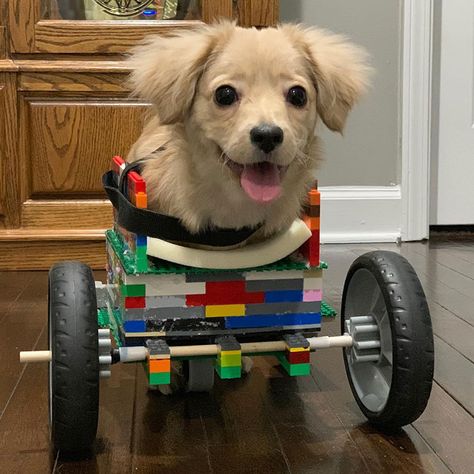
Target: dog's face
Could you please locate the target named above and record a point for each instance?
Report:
(251, 98)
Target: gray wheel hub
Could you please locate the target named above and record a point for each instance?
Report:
(370, 359)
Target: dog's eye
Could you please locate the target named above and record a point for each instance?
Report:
(225, 95)
(297, 96)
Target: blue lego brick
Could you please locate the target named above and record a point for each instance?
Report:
(141, 240)
(281, 296)
(268, 320)
(134, 326)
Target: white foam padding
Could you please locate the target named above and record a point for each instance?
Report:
(252, 255)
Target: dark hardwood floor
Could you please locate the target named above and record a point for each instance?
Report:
(265, 423)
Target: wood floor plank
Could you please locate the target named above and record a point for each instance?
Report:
(20, 328)
(24, 424)
(454, 259)
(448, 429)
(452, 330)
(26, 462)
(12, 286)
(448, 326)
(264, 425)
(111, 451)
(404, 452)
(449, 298)
(455, 374)
(168, 433)
(310, 432)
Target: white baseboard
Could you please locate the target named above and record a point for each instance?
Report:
(360, 214)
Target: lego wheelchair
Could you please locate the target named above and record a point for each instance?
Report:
(165, 302)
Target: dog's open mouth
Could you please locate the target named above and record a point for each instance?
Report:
(260, 181)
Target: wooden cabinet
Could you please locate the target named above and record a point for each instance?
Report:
(65, 112)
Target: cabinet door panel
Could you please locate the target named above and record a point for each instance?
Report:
(71, 143)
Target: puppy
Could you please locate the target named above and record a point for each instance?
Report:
(231, 134)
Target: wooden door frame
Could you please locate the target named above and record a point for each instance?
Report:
(417, 60)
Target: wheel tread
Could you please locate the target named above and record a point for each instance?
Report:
(75, 367)
(411, 335)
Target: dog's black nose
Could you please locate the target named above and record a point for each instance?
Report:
(266, 137)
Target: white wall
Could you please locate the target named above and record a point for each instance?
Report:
(369, 152)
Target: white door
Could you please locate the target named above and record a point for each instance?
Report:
(455, 195)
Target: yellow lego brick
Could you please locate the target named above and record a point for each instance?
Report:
(158, 356)
(225, 360)
(221, 310)
(230, 352)
(297, 349)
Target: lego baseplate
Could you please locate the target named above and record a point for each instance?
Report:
(157, 266)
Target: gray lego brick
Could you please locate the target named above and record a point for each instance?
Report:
(102, 294)
(162, 313)
(157, 347)
(165, 301)
(296, 341)
(300, 327)
(282, 308)
(178, 313)
(274, 285)
(228, 343)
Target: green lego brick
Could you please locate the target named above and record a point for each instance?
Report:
(327, 311)
(294, 369)
(103, 318)
(104, 321)
(161, 267)
(229, 372)
(132, 290)
(159, 378)
(140, 251)
(229, 360)
(141, 265)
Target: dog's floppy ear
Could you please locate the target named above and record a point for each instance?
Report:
(339, 70)
(165, 70)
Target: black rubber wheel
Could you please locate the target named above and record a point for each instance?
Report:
(74, 368)
(393, 390)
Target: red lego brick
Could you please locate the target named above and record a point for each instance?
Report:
(136, 184)
(225, 292)
(134, 302)
(311, 247)
(117, 162)
(300, 357)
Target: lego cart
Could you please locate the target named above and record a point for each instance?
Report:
(208, 309)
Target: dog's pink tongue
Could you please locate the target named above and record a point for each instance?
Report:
(261, 182)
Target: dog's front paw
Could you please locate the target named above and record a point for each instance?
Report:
(247, 364)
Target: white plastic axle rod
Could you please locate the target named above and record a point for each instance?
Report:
(35, 356)
(134, 354)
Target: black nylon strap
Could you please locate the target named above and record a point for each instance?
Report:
(153, 224)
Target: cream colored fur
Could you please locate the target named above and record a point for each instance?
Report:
(180, 74)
